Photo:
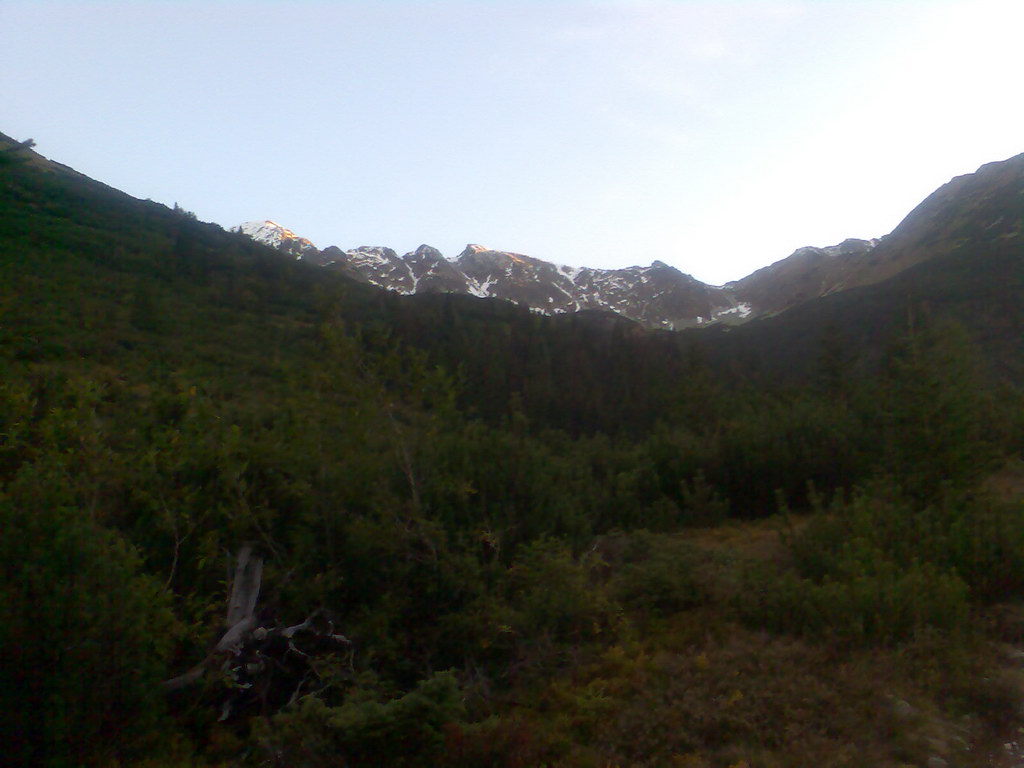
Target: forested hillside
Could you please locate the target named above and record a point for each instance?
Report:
(460, 534)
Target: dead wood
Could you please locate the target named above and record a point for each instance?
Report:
(263, 665)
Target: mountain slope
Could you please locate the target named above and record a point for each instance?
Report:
(959, 255)
(661, 297)
(960, 252)
(96, 279)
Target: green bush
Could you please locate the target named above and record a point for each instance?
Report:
(879, 566)
(871, 602)
(657, 575)
(978, 539)
(404, 731)
(83, 637)
(552, 595)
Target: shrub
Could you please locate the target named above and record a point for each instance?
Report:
(879, 602)
(871, 570)
(658, 575)
(83, 635)
(978, 539)
(552, 594)
(405, 731)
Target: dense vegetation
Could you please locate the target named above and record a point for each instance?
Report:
(548, 541)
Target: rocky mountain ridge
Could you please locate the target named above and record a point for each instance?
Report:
(656, 296)
(661, 296)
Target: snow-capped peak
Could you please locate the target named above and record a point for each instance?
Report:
(270, 232)
(277, 236)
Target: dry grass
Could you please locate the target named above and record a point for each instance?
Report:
(698, 689)
(1007, 484)
(752, 540)
(763, 701)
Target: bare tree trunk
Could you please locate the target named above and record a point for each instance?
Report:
(245, 590)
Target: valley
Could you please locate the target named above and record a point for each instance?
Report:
(268, 504)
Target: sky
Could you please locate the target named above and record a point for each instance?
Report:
(717, 137)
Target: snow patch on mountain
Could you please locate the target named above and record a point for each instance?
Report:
(742, 310)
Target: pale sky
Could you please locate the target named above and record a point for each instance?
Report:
(717, 137)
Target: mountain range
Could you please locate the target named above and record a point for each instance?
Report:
(660, 296)
(959, 253)
(656, 296)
